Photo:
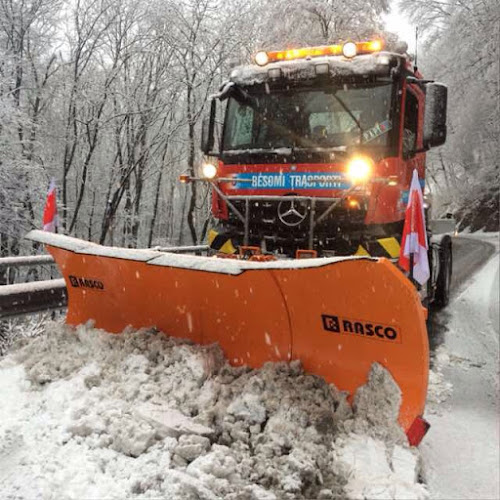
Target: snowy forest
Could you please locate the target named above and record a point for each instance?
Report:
(107, 98)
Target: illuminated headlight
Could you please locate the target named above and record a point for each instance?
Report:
(359, 170)
(352, 203)
(349, 49)
(208, 170)
(261, 58)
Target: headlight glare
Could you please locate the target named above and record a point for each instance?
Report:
(359, 169)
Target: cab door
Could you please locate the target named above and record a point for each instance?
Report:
(412, 134)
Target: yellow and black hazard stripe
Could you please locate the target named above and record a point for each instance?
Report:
(384, 247)
(220, 242)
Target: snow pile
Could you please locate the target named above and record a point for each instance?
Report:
(89, 414)
(370, 475)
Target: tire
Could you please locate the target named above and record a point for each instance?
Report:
(442, 294)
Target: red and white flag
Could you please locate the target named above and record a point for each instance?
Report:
(50, 210)
(414, 240)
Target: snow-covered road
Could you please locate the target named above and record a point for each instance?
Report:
(462, 450)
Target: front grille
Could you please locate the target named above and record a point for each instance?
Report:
(263, 215)
(266, 226)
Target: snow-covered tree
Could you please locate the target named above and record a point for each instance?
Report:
(462, 49)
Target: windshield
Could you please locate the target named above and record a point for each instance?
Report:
(333, 117)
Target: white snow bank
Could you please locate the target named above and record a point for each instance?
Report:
(363, 461)
(86, 414)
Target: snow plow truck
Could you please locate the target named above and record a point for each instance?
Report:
(310, 174)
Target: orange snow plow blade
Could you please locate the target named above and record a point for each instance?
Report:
(337, 315)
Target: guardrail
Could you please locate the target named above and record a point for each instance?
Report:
(27, 298)
(35, 296)
(26, 261)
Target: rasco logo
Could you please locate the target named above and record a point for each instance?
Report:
(359, 328)
(79, 282)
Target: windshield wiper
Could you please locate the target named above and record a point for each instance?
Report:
(350, 113)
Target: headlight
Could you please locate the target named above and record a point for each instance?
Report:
(359, 169)
(208, 170)
(349, 49)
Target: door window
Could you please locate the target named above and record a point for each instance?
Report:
(410, 125)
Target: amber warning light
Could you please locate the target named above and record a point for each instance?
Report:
(348, 50)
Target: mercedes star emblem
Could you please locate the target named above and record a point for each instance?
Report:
(292, 212)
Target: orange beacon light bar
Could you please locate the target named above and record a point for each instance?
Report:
(348, 49)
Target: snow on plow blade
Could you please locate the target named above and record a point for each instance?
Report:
(337, 315)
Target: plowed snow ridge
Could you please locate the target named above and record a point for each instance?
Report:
(86, 414)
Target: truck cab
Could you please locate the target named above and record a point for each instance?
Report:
(318, 146)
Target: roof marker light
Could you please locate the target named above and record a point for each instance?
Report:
(261, 58)
(375, 45)
(274, 73)
(384, 60)
(349, 49)
(322, 69)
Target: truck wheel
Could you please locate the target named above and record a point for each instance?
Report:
(442, 296)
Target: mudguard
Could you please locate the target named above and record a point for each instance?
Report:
(337, 315)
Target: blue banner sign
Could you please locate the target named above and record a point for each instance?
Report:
(291, 180)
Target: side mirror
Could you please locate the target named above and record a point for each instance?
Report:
(436, 97)
(207, 129)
